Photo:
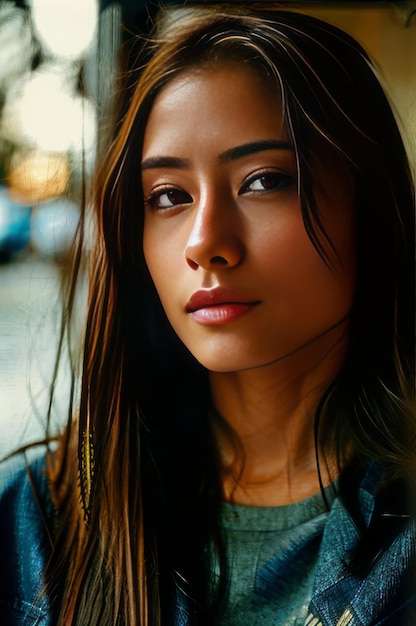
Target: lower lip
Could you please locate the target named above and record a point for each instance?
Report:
(217, 315)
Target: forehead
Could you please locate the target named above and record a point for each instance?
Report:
(215, 103)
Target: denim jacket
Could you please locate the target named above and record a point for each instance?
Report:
(379, 593)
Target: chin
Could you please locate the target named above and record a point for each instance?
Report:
(221, 365)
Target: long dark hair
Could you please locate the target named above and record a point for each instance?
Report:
(135, 479)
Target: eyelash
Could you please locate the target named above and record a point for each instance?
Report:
(154, 197)
(281, 181)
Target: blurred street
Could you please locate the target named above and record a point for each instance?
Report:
(29, 326)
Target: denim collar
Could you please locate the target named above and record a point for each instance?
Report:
(344, 597)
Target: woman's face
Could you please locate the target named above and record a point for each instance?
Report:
(224, 239)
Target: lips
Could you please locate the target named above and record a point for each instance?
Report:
(213, 297)
(218, 306)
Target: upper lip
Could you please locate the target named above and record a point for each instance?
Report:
(218, 295)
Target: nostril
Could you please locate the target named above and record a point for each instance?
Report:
(219, 259)
(192, 264)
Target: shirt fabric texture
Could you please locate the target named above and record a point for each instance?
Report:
(272, 554)
(379, 592)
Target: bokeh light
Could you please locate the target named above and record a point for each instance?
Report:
(66, 28)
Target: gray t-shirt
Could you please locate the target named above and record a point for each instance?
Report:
(272, 553)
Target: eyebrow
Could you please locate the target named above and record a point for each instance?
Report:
(252, 148)
(225, 157)
(165, 162)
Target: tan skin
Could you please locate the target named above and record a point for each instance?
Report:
(221, 218)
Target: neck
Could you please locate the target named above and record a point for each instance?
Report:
(270, 459)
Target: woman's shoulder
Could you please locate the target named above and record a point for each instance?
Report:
(24, 484)
(26, 522)
(366, 573)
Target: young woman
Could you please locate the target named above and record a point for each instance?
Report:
(243, 451)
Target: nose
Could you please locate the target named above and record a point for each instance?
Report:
(215, 239)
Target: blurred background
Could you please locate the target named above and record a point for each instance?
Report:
(58, 59)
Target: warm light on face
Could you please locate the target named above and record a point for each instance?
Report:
(224, 238)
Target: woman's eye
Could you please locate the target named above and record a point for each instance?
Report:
(267, 181)
(167, 198)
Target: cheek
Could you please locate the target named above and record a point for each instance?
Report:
(161, 256)
(295, 266)
(151, 253)
(285, 249)
(154, 246)
(341, 229)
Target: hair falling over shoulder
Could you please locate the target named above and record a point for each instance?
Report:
(134, 479)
